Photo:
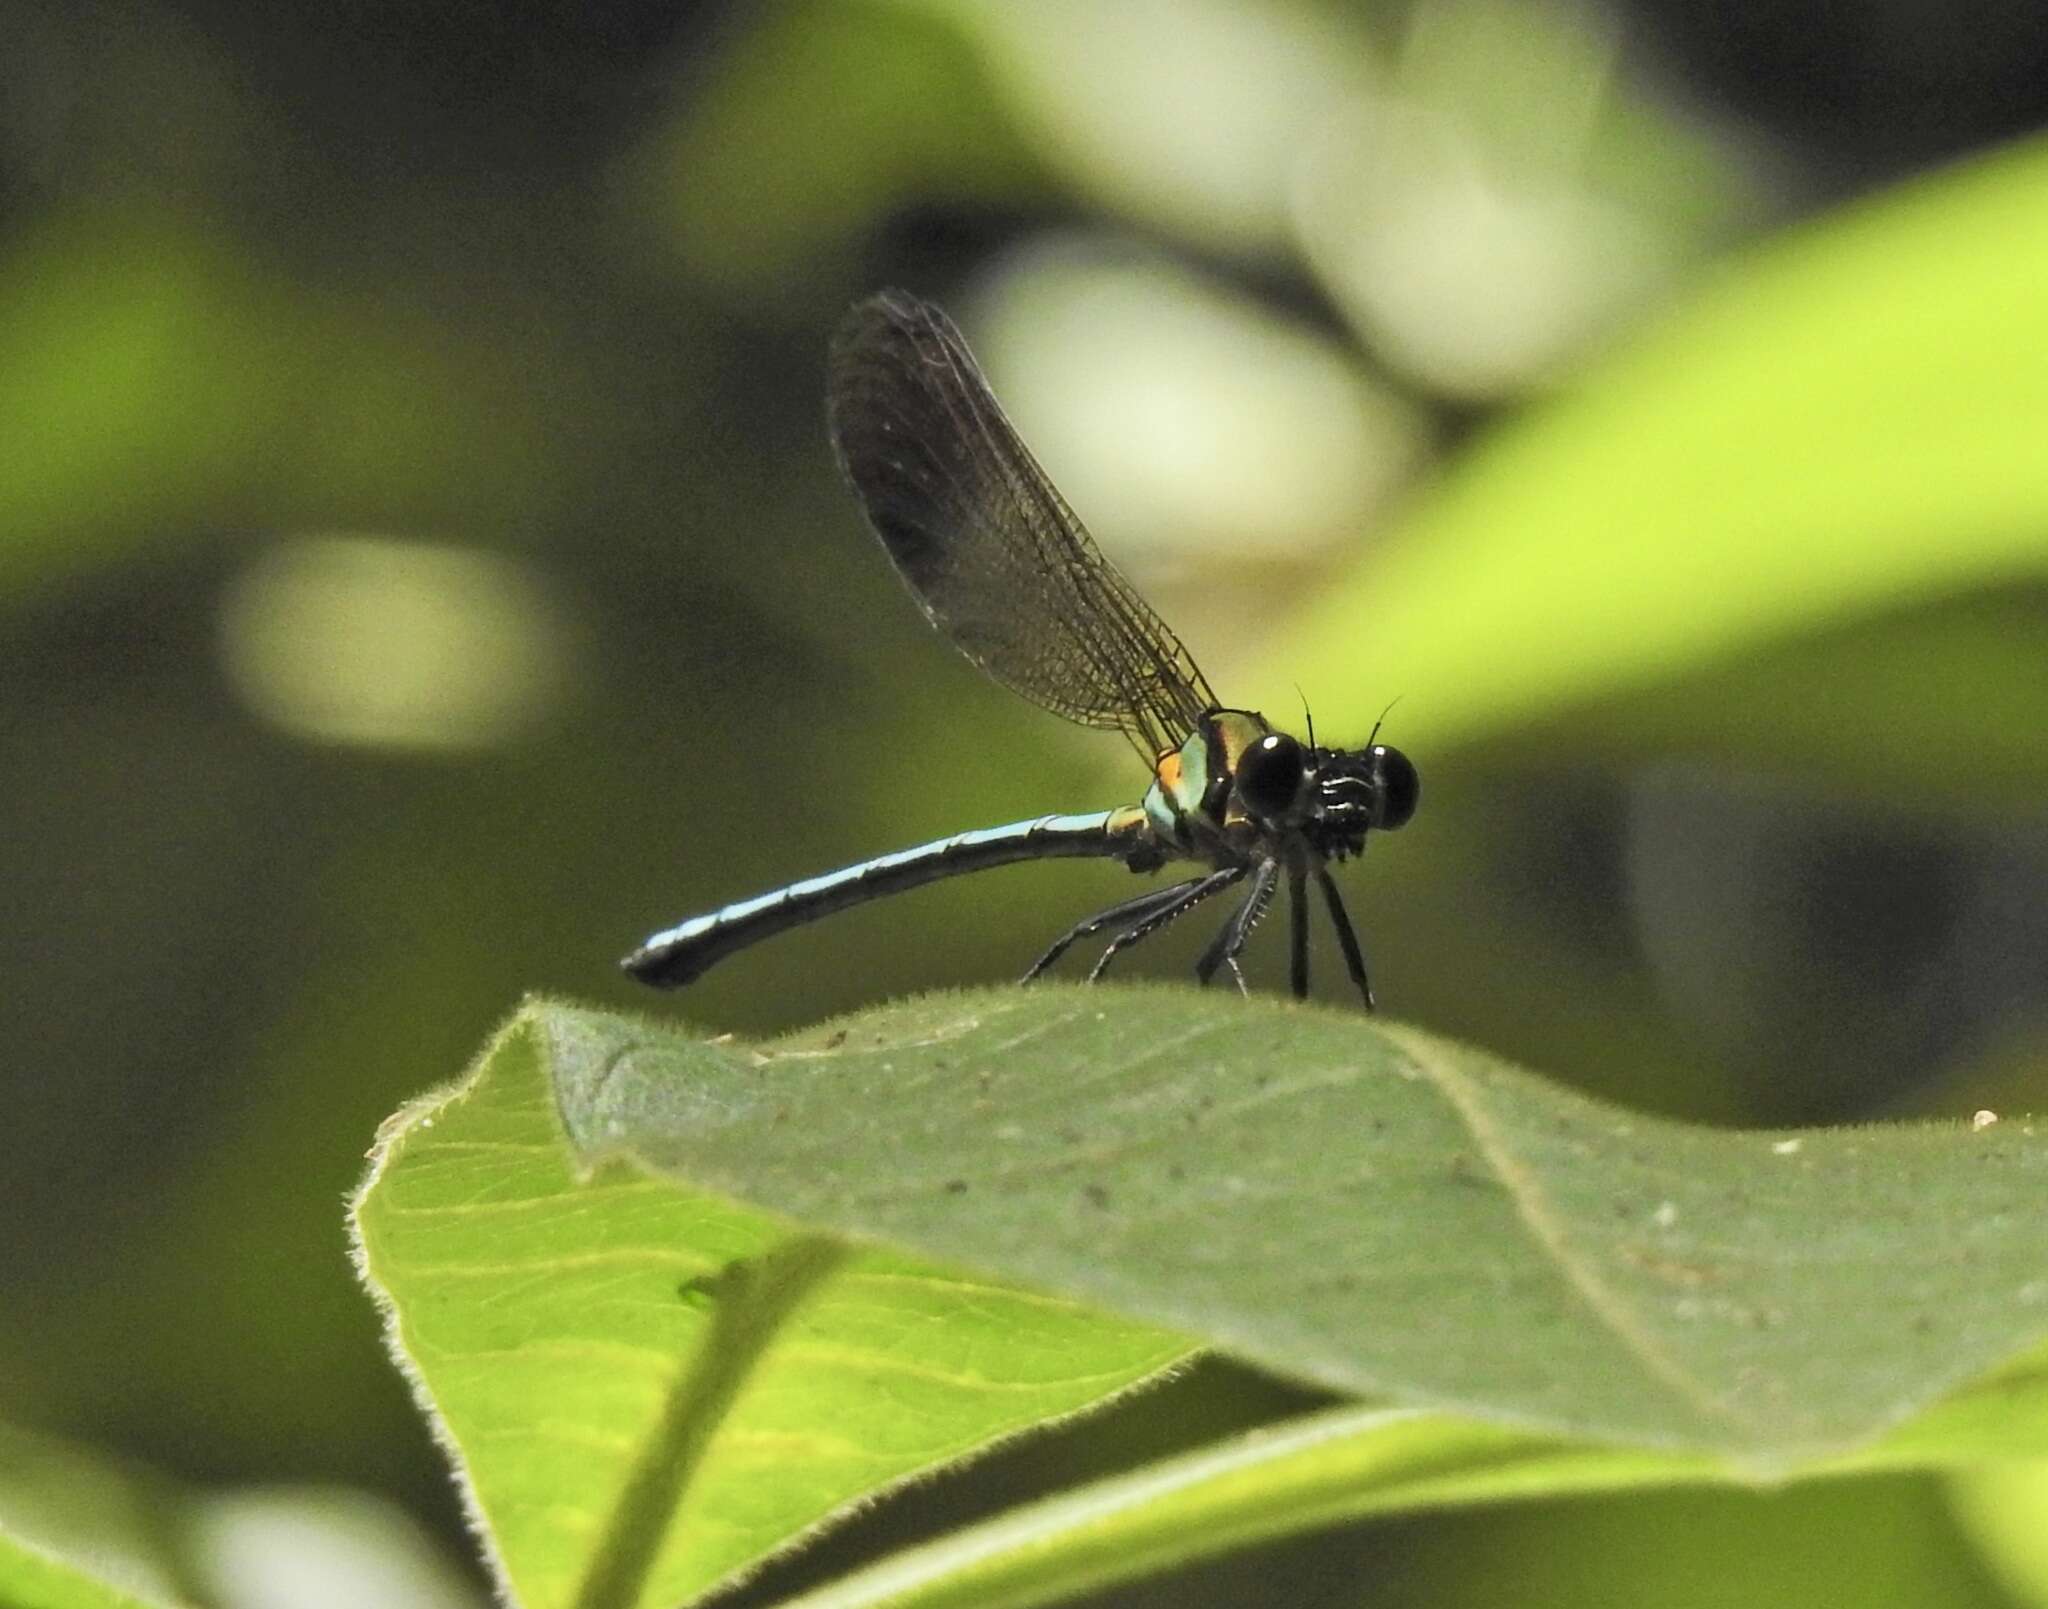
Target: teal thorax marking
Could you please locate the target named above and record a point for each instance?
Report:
(1189, 804)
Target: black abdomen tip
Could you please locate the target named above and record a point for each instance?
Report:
(663, 968)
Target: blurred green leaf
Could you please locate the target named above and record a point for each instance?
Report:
(1843, 426)
(159, 382)
(2005, 1509)
(79, 1532)
(1315, 1471)
(1455, 1234)
(129, 382)
(1318, 1470)
(819, 119)
(616, 1367)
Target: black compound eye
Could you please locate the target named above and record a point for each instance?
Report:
(1269, 776)
(1399, 787)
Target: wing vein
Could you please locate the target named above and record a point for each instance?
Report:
(993, 554)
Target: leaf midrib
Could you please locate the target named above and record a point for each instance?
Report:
(1609, 1308)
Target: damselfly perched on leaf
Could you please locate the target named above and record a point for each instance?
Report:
(999, 563)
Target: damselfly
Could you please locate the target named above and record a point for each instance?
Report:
(999, 563)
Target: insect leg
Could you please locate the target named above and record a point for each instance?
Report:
(1238, 930)
(1297, 931)
(1214, 883)
(1347, 940)
(1136, 909)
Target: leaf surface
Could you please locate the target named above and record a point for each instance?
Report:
(1364, 1207)
(647, 1389)
(841, 1258)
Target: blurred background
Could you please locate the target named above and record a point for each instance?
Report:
(423, 573)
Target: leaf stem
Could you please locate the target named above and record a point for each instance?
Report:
(755, 1299)
(1324, 1469)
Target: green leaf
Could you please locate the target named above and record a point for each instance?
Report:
(648, 1390)
(1839, 427)
(1317, 1470)
(652, 1383)
(1365, 1207)
(80, 1532)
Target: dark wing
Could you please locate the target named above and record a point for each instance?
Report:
(993, 554)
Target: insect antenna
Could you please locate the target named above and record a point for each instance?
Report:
(1382, 721)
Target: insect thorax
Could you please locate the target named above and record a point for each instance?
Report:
(1189, 804)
